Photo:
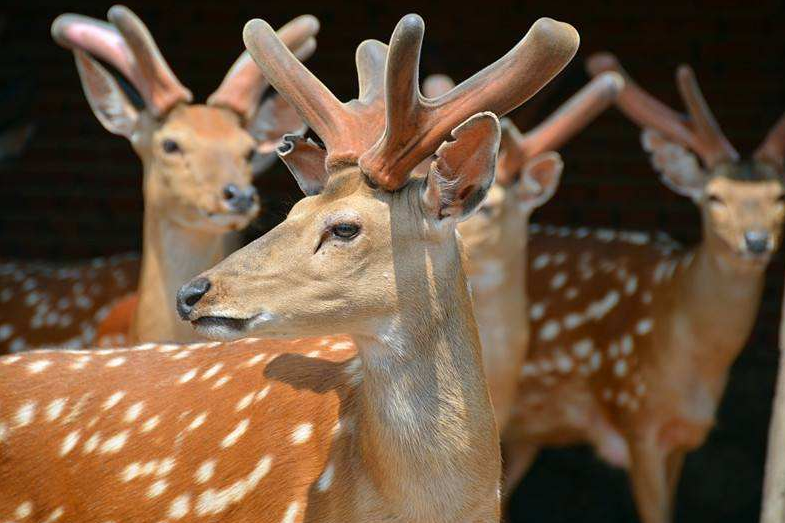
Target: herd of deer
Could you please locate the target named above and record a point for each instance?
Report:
(395, 337)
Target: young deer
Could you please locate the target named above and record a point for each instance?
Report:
(198, 160)
(527, 175)
(633, 341)
(289, 431)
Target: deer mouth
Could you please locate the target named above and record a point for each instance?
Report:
(226, 327)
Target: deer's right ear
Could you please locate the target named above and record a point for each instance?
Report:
(679, 169)
(107, 99)
(306, 161)
(463, 171)
(539, 180)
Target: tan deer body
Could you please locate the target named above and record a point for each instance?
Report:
(404, 431)
(47, 304)
(632, 339)
(198, 160)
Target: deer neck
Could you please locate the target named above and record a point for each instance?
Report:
(424, 415)
(719, 295)
(498, 290)
(171, 255)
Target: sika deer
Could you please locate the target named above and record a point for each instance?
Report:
(527, 175)
(198, 167)
(633, 341)
(286, 431)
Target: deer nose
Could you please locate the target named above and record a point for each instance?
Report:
(190, 294)
(239, 200)
(757, 241)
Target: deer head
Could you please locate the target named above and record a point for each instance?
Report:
(198, 159)
(371, 244)
(742, 202)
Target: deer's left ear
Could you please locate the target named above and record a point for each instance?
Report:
(274, 119)
(540, 178)
(462, 173)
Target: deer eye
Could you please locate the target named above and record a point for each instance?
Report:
(713, 198)
(781, 198)
(345, 231)
(170, 146)
(249, 155)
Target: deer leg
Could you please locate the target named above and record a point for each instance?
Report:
(518, 460)
(649, 481)
(674, 468)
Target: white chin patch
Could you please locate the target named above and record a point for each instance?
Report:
(219, 332)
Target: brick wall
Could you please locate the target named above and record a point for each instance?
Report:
(76, 191)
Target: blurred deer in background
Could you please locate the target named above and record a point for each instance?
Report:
(293, 431)
(198, 160)
(632, 341)
(527, 175)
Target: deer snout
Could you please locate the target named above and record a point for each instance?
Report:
(757, 242)
(239, 200)
(190, 294)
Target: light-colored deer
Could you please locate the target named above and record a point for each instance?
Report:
(632, 341)
(527, 175)
(198, 161)
(293, 431)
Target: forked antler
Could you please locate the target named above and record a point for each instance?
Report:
(127, 45)
(772, 149)
(700, 132)
(388, 136)
(244, 84)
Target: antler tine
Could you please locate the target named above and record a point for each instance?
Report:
(315, 104)
(77, 32)
(773, 147)
(573, 115)
(436, 85)
(416, 125)
(370, 58)
(161, 89)
(244, 84)
(714, 146)
(640, 106)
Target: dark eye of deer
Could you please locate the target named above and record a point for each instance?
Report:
(713, 198)
(781, 198)
(170, 146)
(249, 155)
(345, 231)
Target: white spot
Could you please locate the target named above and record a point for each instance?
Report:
(573, 320)
(571, 293)
(113, 400)
(6, 331)
(528, 370)
(244, 402)
(92, 443)
(233, 436)
(646, 297)
(599, 309)
(212, 371)
(640, 389)
(205, 471)
(8, 360)
(342, 345)
(291, 512)
(583, 348)
(25, 415)
(595, 361)
(620, 368)
(150, 424)
(626, 345)
(631, 285)
(541, 261)
(213, 501)
(180, 506)
(254, 360)
(24, 510)
(326, 479)
(69, 442)
(54, 515)
(302, 433)
(157, 488)
(131, 472)
(55, 408)
(354, 371)
(558, 281)
(644, 326)
(582, 232)
(197, 421)
(220, 382)
(564, 363)
(115, 443)
(604, 235)
(549, 330)
(559, 257)
(115, 362)
(133, 412)
(537, 311)
(18, 345)
(165, 467)
(188, 376)
(262, 393)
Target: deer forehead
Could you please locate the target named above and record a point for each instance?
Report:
(204, 123)
(733, 191)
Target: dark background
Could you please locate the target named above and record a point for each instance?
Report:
(75, 190)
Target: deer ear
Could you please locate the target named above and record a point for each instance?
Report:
(305, 159)
(274, 119)
(679, 169)
(540, 178)
(462, 173)
(106, 98)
